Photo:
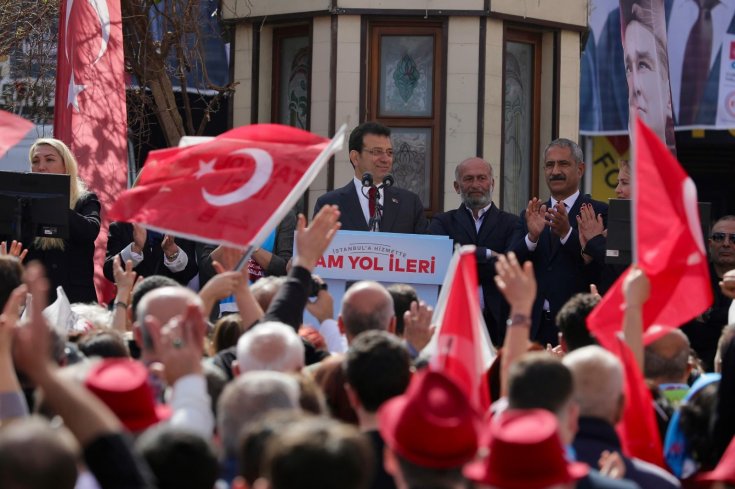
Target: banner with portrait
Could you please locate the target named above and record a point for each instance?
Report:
(698, 53)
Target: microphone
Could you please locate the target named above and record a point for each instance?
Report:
(388, 181)
(367, 179)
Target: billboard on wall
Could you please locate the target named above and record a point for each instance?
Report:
(701, 65)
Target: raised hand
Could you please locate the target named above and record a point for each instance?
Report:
(168, 245)
(535, 218)
(417, 328)
(125, 278)
(516, 283)
(179, 344)
(558, 220)
(139, 236)
(588, 224)
(16, 249)
(313, 241)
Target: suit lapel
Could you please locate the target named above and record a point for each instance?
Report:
(466, 224)
(391, 202)
(352, 216)
(488, 224)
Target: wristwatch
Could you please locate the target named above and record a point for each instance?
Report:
(174, 256)
(518, 320)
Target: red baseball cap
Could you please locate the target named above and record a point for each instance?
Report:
(431, 425)
(524, 452)
(122, 384)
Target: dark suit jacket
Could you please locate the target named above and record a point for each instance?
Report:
(497, 234)
(403, 211)
(121, 235)
(560, 273)
(73, 267)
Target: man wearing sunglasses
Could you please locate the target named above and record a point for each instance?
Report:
(704, 331)
(373, 207)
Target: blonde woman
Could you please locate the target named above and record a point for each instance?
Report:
(68, 262)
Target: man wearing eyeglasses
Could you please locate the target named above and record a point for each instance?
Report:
(387, 209)
(704, 331)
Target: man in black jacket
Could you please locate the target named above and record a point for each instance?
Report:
(479, 222)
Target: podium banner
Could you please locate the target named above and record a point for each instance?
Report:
(386, 257)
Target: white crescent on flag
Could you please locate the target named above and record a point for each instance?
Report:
(103, 14)
(261, 175)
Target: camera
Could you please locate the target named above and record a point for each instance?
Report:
(315, 286)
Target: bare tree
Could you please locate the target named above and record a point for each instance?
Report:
(165, 44)
(165, 52)
(28, 57)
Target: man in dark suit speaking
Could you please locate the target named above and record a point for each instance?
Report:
(392, 210)
(549, 237)
(479, 222)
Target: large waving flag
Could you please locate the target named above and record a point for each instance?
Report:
(233, 189)
(668, 246)
(461, 346)
(89, 112)
(12, 130)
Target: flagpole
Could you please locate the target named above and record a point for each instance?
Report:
(241, 264)
(634, 194)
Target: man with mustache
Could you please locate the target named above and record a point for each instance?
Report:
(549, 237)
(479, 222)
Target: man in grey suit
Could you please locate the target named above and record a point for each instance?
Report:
(400, 210)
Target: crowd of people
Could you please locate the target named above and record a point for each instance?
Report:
(203, 375)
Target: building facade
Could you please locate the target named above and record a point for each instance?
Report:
(452, 78)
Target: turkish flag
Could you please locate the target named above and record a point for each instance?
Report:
(12, 130)
(462, 349)
(89, 112)
(232, 190)
(669, 248)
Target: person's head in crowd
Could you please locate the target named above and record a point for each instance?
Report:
(50, 155)
(598, 383)
(248, 398)
(430, 432)
(689, 444)
(727, 335)
(33, 455)
(623, 189)
(366, 305)
(524, 450)
(538, 380)
(11, 276)
(377, 367)
(722, 245)
(105, 343)
(265, 289)
(253, 442)
(646, 65)
(178, 458)
(563, 167)
(371, 150)
(403, 295)
(146, 285)
(163, 304)
(572, 321)
(311, 397)
(227, 331)
(316, 452)
(313, 336)
(474, 182)
(122, 384)
(94, 316)
(269, 346)
(666, 359)
(216, 383)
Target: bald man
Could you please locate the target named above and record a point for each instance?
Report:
(479, 222)
(366, 306)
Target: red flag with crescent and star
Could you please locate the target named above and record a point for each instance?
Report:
(231, 190)
(89, 112)
(668, 246)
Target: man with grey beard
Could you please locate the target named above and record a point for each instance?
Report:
(479, 222)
